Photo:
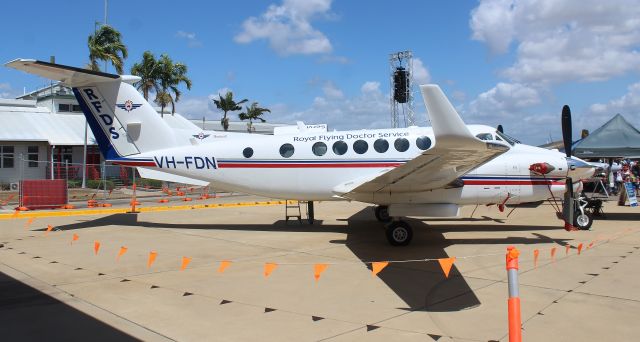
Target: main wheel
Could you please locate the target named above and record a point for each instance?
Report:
(582, 221)
(382, 213)
(399, 233)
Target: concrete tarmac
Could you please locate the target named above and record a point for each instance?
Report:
(54, 290)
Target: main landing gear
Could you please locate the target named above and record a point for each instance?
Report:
(398, 232)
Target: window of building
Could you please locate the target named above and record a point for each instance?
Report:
(32, 156)
(360, 146)
(319, 149)
(6, 157)
(286, 150)
(63, 154)
(63, 107)
(423, 143)
(248, 152)
(340, 147)
(401, 144)
(381, 145)
(76, 108)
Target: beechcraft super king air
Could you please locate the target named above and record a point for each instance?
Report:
(414, 171)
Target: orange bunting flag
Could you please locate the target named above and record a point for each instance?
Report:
(152, 258)
(377, 267)
(15, 214)
(579, 248)
(96, 247)
(223, 265)
(29, 222)
(318, 269)
(566, 249)
(185, 262)
(123, 250)
(591, 244)
(446, 264)
(536, 253)
(49, 228)
(75, 237)
(268, 268)
(553, 254)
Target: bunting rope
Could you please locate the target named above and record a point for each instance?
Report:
(377, 265)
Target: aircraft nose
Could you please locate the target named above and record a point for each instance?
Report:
(579, 169)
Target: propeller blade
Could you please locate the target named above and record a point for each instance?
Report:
(500, 129)
(566, 130)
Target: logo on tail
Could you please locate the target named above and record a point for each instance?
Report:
(128, 105)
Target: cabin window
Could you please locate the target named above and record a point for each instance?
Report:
(319, 149)
(286, 150)
(248, 152)
(423, 143)
(485, 136)
(340, 147)
(381, 145)
(401, 144)
(360, 146)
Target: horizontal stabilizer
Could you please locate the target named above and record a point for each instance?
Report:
(68, 75)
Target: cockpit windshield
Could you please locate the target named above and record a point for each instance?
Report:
(512, 141)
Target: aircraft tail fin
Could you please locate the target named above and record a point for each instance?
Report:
(122, 121)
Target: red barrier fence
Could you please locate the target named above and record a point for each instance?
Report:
(43, 193)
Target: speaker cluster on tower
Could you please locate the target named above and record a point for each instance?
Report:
(400, 85)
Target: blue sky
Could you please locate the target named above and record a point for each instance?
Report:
(322, 61)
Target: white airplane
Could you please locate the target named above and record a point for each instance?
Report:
(414, 171)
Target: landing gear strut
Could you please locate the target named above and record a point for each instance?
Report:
(382, 213)
(310, 213)
(399, 233)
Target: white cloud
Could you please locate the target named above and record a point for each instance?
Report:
(421, 74)
(331, 91)
(628, 105)
(505, 99)
(6, 91)
(560, 41)
(288, 27)
(190, 37)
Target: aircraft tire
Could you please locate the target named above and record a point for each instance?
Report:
(582, 221)
(399, 233)
(382, 213)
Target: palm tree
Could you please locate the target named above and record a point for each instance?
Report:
(253, 113)
(106, 45)
(148, 71)
(170, 75)
(227, 104)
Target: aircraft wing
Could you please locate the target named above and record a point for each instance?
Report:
(456, 152)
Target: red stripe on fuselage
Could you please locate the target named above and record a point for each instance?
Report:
(304, 165)
(511, 182)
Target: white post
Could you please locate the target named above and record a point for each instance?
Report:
(84, 156)
(53, 147)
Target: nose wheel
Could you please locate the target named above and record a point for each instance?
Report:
(399, 233)
(582, 220)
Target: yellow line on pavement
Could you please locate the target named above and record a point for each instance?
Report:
(80, 212)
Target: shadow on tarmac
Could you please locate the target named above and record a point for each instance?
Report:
(421, 285)
(30, 315)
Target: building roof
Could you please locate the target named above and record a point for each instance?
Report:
(616, 138)
(24, 121)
